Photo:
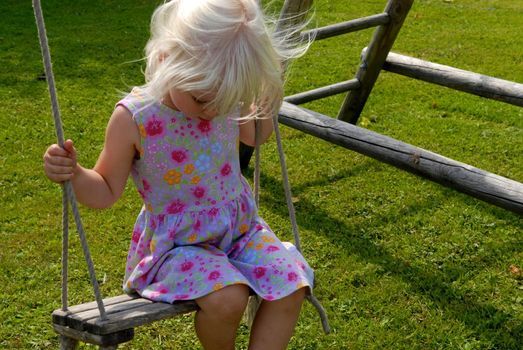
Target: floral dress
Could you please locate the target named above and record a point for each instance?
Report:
(199, 229)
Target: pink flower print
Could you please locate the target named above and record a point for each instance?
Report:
(197, 225)
(243, 207)
(154, 295)
(213, 212)
(179, 155)
(136, 236)
(181, 296)
(300, 264)
(186, 266)
(292, 276)
(272, 248)
(204, 126)
(146, 186)
(175, 207)
(154, 126)
(153, 224)
(259, 227)
(259, 272)
(214, 275)
(235, 247)
(226, 169)
(199, 192)
(172, 233)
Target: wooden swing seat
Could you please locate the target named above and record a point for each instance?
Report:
(124, 312)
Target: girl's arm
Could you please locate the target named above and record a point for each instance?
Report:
(101, 186)
(248, 131)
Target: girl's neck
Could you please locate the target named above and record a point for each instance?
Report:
(166, 100)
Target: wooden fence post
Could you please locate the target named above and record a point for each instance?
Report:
(372, 61)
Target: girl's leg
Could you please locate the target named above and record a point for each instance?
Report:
(219, 316)
(275, 321)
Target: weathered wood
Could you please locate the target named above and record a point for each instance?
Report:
(67, 343)
(74, 335)
(123, 312)
(78, 319)
(139, 316)
(322, 92)
(478, 183)
(346, 27)
(473, 83)
(372, 62)
(61, 317)
(293, 12)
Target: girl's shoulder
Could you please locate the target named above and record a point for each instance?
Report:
(138, 103)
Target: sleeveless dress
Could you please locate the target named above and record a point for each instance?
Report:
(199, 229)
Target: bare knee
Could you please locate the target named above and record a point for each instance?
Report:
(228, 303)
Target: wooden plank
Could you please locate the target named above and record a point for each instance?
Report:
(473, 83)
(322, 92)
(372, 62)
(123, 312)
(478, 183)
(60, 316)
(107, 301)
(138, 317)
(78, 320)
(346, 27)
(102, 340)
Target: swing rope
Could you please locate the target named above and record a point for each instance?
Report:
(290, 206)
(68, 192)
(292, 215)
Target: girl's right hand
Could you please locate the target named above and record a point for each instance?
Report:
(60, 163)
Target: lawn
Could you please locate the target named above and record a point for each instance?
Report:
(401, 262)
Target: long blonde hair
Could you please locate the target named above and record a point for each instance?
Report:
(225, 47)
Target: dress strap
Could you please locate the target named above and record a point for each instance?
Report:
(136, 102)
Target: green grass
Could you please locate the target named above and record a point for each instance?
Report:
(401, 263)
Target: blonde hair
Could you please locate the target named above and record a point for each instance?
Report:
(226, 47)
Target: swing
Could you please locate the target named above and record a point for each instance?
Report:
(111, 321)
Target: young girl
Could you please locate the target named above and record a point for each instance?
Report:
(212, 69)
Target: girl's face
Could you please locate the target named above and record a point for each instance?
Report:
(193, 104)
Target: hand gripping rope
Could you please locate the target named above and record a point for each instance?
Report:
(68, 193)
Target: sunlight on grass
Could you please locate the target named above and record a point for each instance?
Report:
(401, 262)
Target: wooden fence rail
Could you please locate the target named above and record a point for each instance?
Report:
(478, 183)
(473, 83)
(347, 27)
(322, 92)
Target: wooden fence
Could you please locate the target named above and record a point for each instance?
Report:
(376, 57)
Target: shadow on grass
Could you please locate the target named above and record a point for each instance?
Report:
(495, 326)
